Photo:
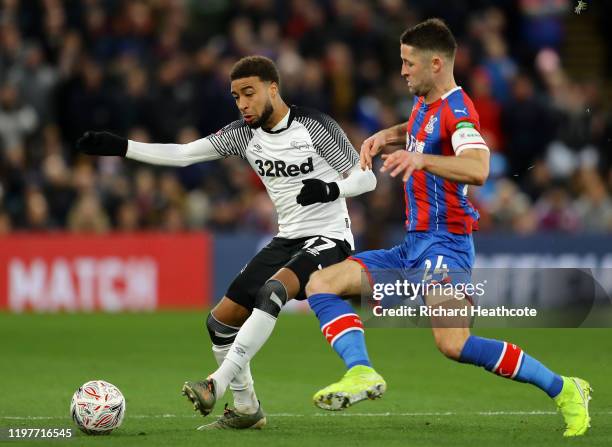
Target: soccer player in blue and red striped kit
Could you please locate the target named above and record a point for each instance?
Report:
(444, 152)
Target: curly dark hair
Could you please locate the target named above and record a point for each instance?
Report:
(259, 66)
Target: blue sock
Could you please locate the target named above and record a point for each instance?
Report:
(488, 354)
(342, 328)
(533, 371)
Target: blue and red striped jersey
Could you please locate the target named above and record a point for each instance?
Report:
(433, 203)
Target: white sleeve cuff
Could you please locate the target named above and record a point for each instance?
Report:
(357, 182)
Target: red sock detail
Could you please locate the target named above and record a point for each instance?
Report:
(509, 362)
(340, 326)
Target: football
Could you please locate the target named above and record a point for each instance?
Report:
(97, 407)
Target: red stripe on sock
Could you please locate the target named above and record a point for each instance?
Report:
(508, 365)
(340, 326)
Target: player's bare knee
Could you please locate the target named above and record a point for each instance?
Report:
(319, 283)
(271, 297)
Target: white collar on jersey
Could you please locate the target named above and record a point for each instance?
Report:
(447, 94)
(282, 124)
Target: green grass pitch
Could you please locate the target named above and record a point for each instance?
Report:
(430, 401)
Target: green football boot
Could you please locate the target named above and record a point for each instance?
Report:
(573, 403)
(359, 383)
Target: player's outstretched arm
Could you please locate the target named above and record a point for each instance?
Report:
(318, 191)
(109, 144)
(393, 136)
(470, 167)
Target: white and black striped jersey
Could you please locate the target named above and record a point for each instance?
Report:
(304, 144)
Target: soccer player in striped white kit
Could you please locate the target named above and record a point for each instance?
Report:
(308, 167)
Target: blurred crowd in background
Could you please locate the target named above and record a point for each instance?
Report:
(157, 71)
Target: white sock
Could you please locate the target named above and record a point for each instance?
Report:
(242, 386)
(249, 340)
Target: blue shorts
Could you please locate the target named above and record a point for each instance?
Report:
(422, 256)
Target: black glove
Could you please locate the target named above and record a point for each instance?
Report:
(317, 191)
(102, 143)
